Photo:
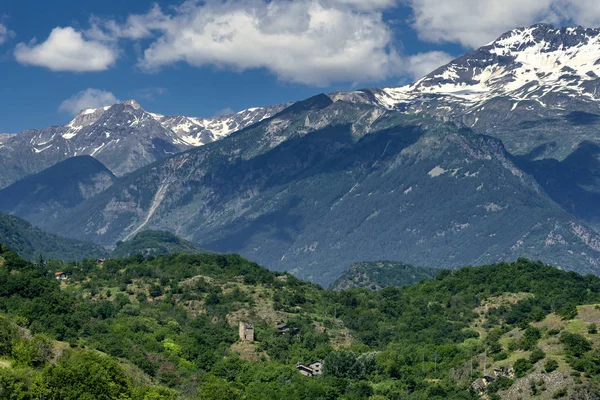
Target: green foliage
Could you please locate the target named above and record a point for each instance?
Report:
(414, 342)
(501, 383)
(592, 329)
(34, 352)
(86, 375)
(568, 311)
(381, 274)
(9, 333)
(345, 364)
(551, 365)
(154, 243)
(575, 344)
(530, 338)
(31, 242)
(536, 355)
(522, 366)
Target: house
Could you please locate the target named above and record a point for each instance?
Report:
(304, 370)
(61, 276)
(316, 366)
(282, 328)
(246, 331)
(312, 369)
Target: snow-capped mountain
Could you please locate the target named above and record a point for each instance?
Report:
(124, 137)
(200, 131)
(523, 64)
(534, 73)
(5, 137)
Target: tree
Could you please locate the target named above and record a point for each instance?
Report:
(340, 364)
(522, 366)
(575, 344)
(551, 365)
(86, 375)
(568, 311)
(8, 333)
(536, 355)
(34, 352)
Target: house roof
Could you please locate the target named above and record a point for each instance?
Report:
(304, 368)
(58, 273)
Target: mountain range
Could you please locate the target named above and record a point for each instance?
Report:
(124, 137)
(491, 157)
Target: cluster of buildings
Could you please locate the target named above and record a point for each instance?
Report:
(246, 330)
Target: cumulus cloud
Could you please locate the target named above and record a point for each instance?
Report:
(421, 64)
(313, 42)
(67, 50)
(473, 23)
(5, 33)
(89, 98)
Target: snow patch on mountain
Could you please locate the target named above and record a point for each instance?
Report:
(523, 64)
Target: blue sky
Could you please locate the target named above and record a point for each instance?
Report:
(203, 58)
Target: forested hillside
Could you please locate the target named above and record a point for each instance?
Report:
(376, 275)
(33, 243)
(166, 327)
(154, 243)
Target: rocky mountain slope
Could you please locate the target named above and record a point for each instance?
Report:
(325, 183)
(200, 131)
(491, 157)
(536, 89)
(5, 137)
(124, 137)
(41, 198)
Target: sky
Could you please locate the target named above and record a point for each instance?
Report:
(205, 58)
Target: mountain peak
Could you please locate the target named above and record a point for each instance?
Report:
(523, 64)
(132, 103)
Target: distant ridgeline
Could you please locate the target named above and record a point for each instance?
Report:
(167, 327)
(377, 275)
(31, 242)
(154, 243)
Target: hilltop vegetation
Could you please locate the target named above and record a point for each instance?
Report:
(154, 243)
(377, 275)
(31, 242)
(165, 327)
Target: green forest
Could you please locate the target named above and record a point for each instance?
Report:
(166, 327)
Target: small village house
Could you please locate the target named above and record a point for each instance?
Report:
(61, 276)
(313, 369)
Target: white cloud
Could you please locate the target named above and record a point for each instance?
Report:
(5, 34)
(313, 42)
(89, 98)
(421, 64)
(473, 23)
(67, 50)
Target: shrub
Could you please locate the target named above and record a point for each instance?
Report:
(550, 365)
(34, 352)
(536, 355)
(568, 311)
(522, 366)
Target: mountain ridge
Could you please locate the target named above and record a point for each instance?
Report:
(124, 137)
(41, 197)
